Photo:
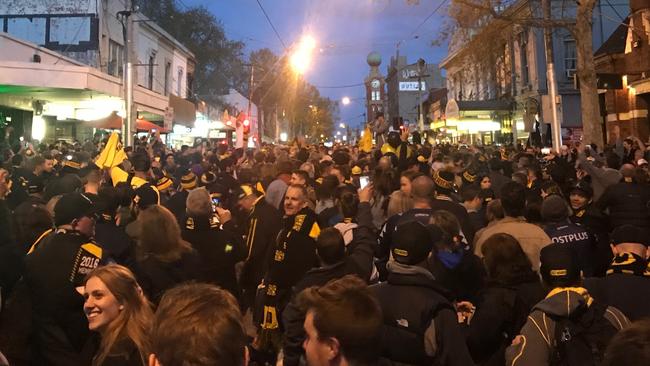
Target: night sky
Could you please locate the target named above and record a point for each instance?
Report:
(345, 30)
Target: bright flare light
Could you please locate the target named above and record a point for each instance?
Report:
(342, 125)
(38, 128)
(301, 57)
(345, 100)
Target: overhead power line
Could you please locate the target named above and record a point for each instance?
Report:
(443, 2)
(284, 46)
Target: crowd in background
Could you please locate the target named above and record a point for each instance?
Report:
(406, 253)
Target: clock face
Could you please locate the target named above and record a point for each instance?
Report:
(375, 84)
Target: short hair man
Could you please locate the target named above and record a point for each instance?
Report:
(626, 285)
(531, 237)
(299, 177)
(198, 324)
(343, 323)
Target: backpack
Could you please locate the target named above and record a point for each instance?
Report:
(582, 338)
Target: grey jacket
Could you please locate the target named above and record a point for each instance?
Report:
(601, 178)
(534, 346)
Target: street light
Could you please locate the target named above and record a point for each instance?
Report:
(301, 57)
(342, 125)
(345, 100)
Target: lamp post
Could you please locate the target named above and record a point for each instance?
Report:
(127, 29)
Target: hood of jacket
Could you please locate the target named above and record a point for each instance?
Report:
(346, 229)
(564, 301)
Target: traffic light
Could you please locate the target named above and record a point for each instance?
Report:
(247, 127)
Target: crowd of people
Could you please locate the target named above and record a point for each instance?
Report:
(405, 253)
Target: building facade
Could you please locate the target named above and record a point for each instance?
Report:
(408, 86)
(70, 66)
(623, 64)
(504, 63)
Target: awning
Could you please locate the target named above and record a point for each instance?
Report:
(114, 122)
(184, 111)
(144, 125)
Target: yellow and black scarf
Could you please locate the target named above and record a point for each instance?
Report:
(629, 263)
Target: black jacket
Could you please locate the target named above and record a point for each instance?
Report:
(580, 240)
(463, 280)
(262, 228)
(629, 290)
(155, 276)
(115, 242)
(53, 270)
(177, 205)
(417, 318)
(596, 224)
(358, 261)
(628, 203)
(500, 313)
(219, 250)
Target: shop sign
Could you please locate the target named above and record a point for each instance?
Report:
(411, 86)
(216, 134)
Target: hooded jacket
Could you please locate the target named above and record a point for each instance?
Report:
(427, 315)
(537, 336)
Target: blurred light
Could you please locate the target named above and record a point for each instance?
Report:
(345, 100)
(301, 57)
(342, 125)
(229, 123)
(338, 132)
(246, 122)
(283, 136)
(345, 138)
(38, 128)
(321, 135)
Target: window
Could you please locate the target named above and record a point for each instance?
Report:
(179, 82)
(168, 67)
(69, 30)
(115, 58)
(29, 29)
(570, 57)
(152, 60)
(523, 52)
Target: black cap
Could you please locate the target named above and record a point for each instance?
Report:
(560, 266)
(146, 196)
(554, 208)
(72, 206)
(583, 188)
(630, 234)
(413, 242)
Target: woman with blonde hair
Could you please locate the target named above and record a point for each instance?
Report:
(117, 309)
(164, 259)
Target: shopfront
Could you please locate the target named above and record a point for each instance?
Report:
(476, 122)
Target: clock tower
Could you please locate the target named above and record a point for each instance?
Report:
(375, 88)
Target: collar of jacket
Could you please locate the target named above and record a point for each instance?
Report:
(509, 219)
(210, 222)
(258, 202)
(327, 268)
(405, 275)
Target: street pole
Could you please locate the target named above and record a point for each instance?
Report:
(250, 108)
(127, 125)
(550, 78)
(421, 66)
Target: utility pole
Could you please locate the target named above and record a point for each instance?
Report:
(250, 106)
(550, 78)
(421, 68)
(127, 25)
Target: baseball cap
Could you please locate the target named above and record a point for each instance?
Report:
(641, 162)
(413, 241)
(145, 196)
(560, 266)
(72, 206)
(630, 234)
(583, 188)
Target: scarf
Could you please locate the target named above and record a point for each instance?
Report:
(629, 263)
(450, 259)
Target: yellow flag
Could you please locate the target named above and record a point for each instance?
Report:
(113, 153)
(365, 143)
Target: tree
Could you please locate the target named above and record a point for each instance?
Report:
(219, 61)
(484, 14)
